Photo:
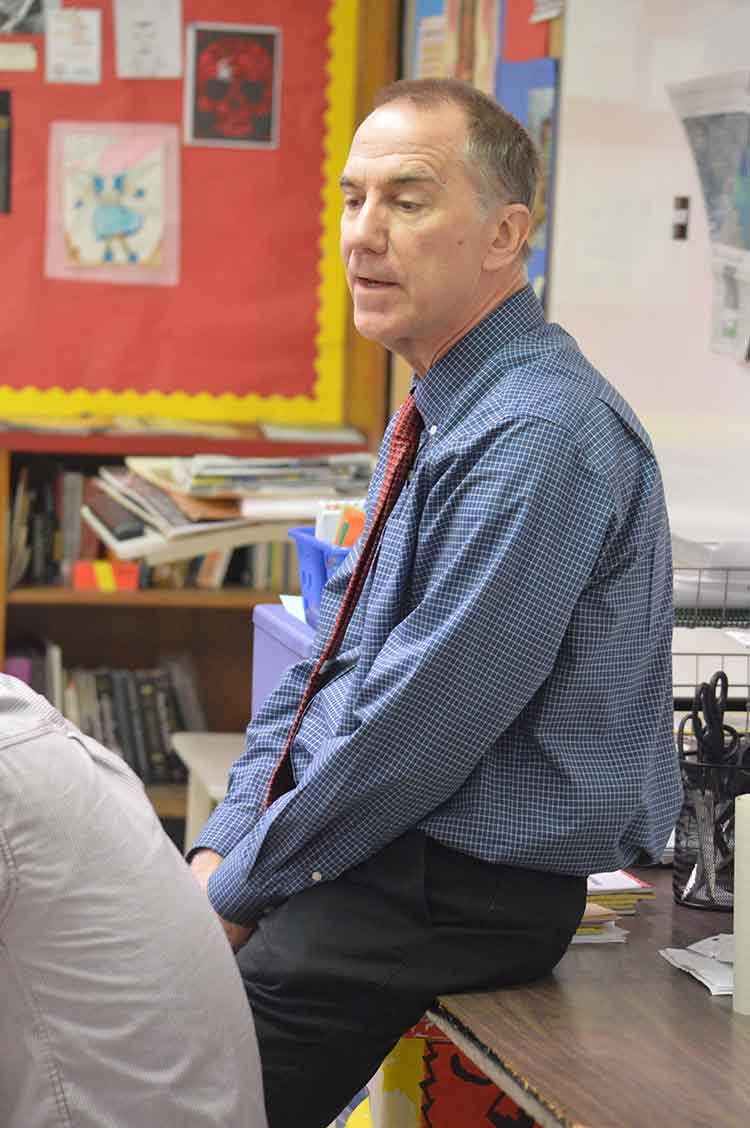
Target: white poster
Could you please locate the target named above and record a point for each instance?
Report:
(148, 38)
(715, 113)
(73, 50)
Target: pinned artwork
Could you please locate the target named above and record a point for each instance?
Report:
(715, 114)
(24, 17)
(232, 92)
(113, 203)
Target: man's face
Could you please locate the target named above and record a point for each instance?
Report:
(414, 236)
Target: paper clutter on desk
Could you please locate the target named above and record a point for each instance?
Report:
(598, 926)
(709, 961)
(607, 933)
(618, 890)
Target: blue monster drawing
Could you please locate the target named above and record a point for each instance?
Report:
(113, 201)
(114, 220)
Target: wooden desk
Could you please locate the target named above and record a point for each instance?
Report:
(208, 756)
(615, 1037)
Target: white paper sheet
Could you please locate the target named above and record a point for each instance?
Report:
(294, 605)
(17, 57)
(719, 947)
(715, 113)
(73, 50)
(148, 38)
(717, 976)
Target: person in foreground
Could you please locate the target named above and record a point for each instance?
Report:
(492, 720)
(120, 1001)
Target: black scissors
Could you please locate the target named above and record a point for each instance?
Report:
(717, 743)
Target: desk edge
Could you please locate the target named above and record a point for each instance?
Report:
(518, 1088)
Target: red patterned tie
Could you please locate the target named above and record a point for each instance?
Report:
(404, 443)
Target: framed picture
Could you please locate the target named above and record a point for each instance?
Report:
(232, 87)
(113, 203)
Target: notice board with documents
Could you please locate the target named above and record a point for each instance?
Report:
(169, 225)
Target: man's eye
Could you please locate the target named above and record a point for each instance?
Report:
(351, 202)
(408, 205)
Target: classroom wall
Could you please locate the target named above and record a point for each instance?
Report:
(638, 301)
(256, 325)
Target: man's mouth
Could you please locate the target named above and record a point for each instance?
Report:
(371, 283)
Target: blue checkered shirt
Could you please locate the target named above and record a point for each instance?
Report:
(505, 682)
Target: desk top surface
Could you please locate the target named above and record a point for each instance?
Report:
(209, 756)
(616, 1037)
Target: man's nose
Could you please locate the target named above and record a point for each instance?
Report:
(369, 230)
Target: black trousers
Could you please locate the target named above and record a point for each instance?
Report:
(337, 973)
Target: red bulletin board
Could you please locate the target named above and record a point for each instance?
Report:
(255, 327)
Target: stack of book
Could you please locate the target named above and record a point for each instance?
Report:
(181, 521)
(599, 926)
(131, 712)
(171, 509)
(609, 896)
(618, 890)
(212, 476)
(46, 534)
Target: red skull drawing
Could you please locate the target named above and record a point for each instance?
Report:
(235, 85)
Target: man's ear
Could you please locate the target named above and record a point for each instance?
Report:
(511, 232)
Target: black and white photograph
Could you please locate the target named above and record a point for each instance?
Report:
(232, 88)
(24, 17)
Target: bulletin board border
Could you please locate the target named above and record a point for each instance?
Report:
(325, 405)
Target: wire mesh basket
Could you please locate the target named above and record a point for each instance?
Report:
(703, 864)
(703, 856)
(712, 597)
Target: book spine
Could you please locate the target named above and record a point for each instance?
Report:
(106, 709)
(155, 751)
(71, 708)
(184, 684)
(136, 717)
(168, 723)
(53, 535)
(70, 520)
(89, 545)
(213, 568)
(123, 726)
(18, 666)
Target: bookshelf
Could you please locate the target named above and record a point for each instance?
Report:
(132, 629)
(149, 597)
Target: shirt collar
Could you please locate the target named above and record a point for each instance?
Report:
(437, 392)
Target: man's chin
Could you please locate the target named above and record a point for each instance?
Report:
(375, 328)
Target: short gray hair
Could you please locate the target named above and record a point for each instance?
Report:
(500, 155)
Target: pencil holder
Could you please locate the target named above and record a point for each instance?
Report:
(703, 866)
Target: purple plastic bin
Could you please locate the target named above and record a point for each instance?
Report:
(279, 640)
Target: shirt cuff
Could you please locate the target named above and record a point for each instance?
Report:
(224, 829)
(229, 889)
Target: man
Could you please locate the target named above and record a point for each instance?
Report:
(497, 722)
(120, 1002)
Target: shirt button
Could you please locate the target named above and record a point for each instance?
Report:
(316, 875)
(433, 428)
